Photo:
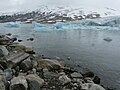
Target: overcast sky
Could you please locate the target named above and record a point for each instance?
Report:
(20, 5)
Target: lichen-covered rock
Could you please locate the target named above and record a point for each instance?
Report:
(49, 64)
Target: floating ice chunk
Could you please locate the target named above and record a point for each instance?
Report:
(58, 25)
(12, 24)
(40, 27)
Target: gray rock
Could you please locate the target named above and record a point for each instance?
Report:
(50, 75)
(96, 80)
(34, 81)
(88, 74)
(63, 79)
(26, 65)
(91, 86)
(29, 50)
(8, 74)
(2, 84)
(15, 59)
(76, 75)
(96, 87)
(5, 40)
(19, 83)
(4, 50)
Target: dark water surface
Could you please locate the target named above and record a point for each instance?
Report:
(85, 47)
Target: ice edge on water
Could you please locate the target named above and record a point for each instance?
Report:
(108, 23)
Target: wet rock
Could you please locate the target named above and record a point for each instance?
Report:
(34, 82)
(20, 40)
(26, 65)
(19, 83)
(49, 64)
(14, 39)
(96, 80)
(30, 39)
(107, 39)
(64, 79)
(8, 34)
(76, 75)
(88, 74)
(2, 84)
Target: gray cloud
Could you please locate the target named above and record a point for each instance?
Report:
(20, 5)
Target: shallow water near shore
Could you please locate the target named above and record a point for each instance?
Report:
(86, 48)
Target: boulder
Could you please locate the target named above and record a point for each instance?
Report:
(16, 58)
(19, 83)
(96, 87)
(50, 75)
(8, 74)
(26, 65)
(88, 74)
(4, 50)
(3, 63)
(29, 50)
(49, 64)
(5, 40)
(34, 82)
(76, 75)
(63, 79)
(96, 80)
(91, 86)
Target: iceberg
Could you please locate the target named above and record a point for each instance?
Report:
(12, 24)
(40, 27)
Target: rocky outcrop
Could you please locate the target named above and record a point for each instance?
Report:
(21, 70)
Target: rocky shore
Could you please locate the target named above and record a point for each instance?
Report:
(21, 69)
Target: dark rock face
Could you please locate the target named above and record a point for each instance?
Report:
(96, 80)
(108, 39)
(88, 74)
(26, 65)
